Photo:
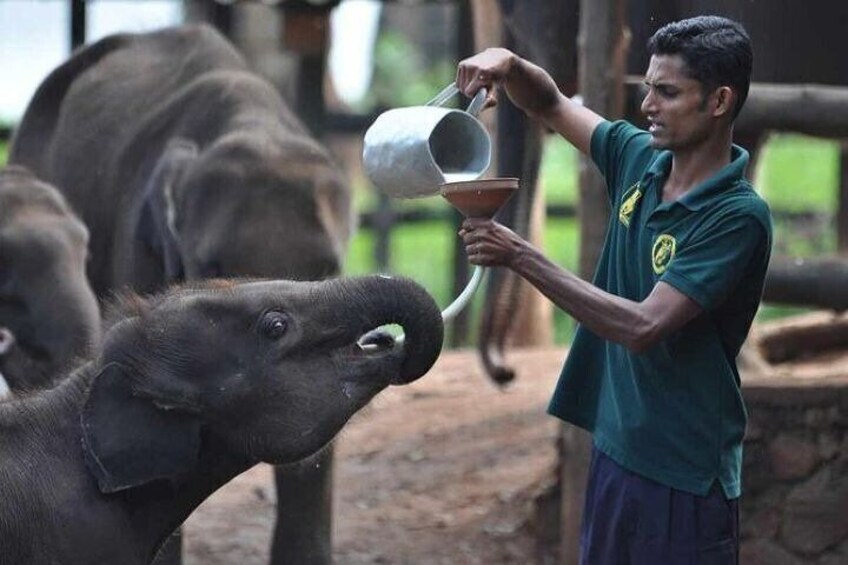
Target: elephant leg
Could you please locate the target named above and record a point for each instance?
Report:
(519, 142)
(302, 534)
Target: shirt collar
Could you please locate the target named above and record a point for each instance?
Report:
(701, 194)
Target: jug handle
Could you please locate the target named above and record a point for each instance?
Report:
(444, 95)
(477, 102)
(447, 92)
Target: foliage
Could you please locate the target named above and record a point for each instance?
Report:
(4, 153)
(799, 173)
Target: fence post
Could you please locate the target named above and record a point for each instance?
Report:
(78, 17)
(842, 201)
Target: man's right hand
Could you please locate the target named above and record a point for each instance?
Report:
(489, 68)
(529, 87)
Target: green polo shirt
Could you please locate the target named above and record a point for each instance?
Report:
(674, 413)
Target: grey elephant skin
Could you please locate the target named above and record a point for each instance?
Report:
(49, 315)
(194, 386)
(186, 165)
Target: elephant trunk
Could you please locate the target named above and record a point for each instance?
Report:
(384, 300)
(77, 330)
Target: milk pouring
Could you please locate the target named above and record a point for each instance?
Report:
(410, 152)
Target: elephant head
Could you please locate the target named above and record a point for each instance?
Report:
(281, 199)
(48, 312)
(266, 371)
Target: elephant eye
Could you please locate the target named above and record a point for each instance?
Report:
(273, 324)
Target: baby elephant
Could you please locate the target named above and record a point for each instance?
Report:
(193, 387)
(48, 312)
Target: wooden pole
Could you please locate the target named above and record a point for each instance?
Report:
(78, 23)
(842, 202)
(460, 330)
(602, 51)
(306, 33)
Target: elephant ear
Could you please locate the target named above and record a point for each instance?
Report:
(7, 342)
(157, 218)
(129, 440)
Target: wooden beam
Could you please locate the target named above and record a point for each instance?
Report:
(803, 335)
(813, 282)
(804, 108)
(811, 109)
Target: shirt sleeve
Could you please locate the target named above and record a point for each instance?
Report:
(613, 145)
(716, 258)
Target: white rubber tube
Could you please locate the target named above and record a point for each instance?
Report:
(464, 297)
(454, 308)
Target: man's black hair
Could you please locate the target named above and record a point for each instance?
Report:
(716, 50)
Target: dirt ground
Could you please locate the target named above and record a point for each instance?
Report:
(440, 471)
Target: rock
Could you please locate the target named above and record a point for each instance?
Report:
(764, 552)
(762, 515)
(792, 457)
(815, 516)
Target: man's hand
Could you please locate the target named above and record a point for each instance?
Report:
(489, 243)
(489, 68)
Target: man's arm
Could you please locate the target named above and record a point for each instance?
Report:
(636, 325)
(531, 89)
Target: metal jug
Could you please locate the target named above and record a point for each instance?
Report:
(409, 152)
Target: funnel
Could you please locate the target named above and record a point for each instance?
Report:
(476, 199)
(479, 198)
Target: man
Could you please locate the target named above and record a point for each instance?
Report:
(651, 372)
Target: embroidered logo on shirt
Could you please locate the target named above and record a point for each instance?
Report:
(628, 204)
(663, 252)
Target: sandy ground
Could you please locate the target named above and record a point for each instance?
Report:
(440, 471)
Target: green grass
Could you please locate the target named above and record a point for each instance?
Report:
(799, 173)
(4, 153)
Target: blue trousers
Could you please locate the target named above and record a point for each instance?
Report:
(631, 520)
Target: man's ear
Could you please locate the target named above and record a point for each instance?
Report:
(722, 101)
(128, 440)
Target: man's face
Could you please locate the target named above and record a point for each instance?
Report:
(674, 105)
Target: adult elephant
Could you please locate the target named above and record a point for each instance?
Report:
(186, 165)
(48, 313)
(193, 387)
(546, 32)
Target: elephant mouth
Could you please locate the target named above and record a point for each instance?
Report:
(376, 349)
(377, 340)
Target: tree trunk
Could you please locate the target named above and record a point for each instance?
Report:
(602, 48)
